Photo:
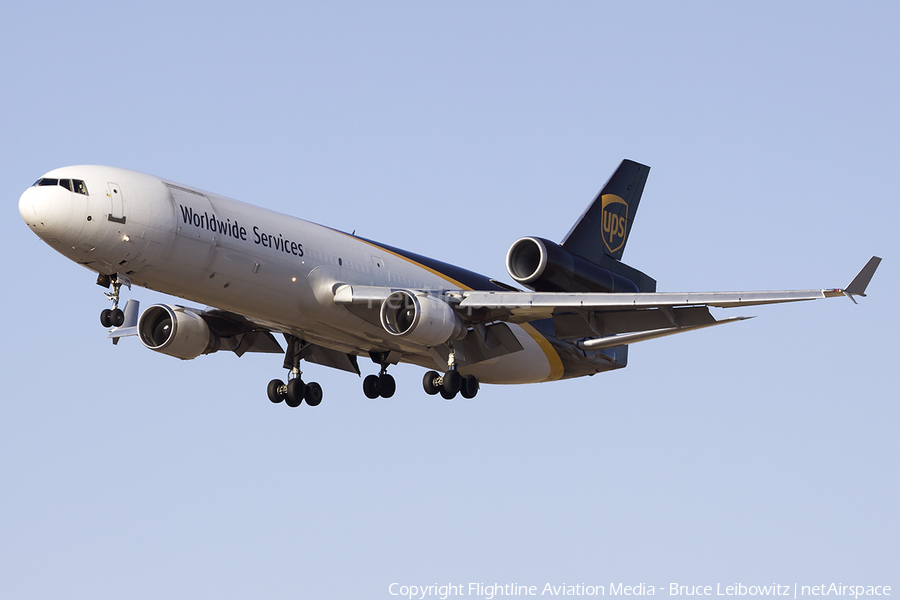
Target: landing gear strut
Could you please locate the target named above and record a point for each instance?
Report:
(382, 384)
(295, 391)
(113, 317)
(450, 383)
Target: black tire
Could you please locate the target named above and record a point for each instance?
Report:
(296, 390)
(370, 386)
(428, 383)
(447, 395)
(273, 391)
(106, 318)
(469, 387)
(386, 385)
(117, 317)
(452, 381)
(313, 395)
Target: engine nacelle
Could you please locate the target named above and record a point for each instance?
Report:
(545, 266)
(174, 331)
(422, 319)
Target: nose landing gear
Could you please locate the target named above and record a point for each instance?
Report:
(113, 317)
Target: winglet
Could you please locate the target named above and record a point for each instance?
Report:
(859, 284)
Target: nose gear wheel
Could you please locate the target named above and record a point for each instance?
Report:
(113, 317)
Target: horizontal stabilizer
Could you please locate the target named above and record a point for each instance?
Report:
(129, 326)
(120, 332)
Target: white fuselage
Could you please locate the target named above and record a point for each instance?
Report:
(278, 271)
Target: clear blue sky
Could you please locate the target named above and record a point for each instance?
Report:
(761, 452)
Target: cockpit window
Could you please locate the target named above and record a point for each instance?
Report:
(73, 185)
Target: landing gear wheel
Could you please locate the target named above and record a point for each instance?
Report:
(296, 390)
(106, 318)
(313, 394)
(469, 387)
(452, 382)
(386, 385)
(431, 388)
(276, 391)
(370, 386)
(447, 395)
(117, 317)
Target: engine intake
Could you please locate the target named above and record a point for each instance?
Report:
(422, 319)
(545, 266)
(174, 331)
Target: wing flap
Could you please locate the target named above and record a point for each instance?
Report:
(327, 357)
(632, 338)
(581, 324)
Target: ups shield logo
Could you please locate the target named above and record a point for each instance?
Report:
(614, 217)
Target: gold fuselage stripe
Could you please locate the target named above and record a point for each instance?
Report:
(556, 365)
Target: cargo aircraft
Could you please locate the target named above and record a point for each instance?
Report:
(336, 297)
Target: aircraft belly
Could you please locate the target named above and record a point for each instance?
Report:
(529, 365)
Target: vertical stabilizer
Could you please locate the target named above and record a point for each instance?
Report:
(604, 227)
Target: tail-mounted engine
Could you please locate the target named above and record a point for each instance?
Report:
(175, 331)
(421, 319)
(544, 266)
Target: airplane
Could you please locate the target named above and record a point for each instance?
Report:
(336, 296)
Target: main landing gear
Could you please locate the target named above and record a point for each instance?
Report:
(379, 385)
(450, 383)
(295, 391)
(113, 317)
(382, 384)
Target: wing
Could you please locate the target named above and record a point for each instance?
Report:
(606, 320)
(540, 305)
(602, 320)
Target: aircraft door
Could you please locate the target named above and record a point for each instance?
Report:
(195, 235)
(116, 203)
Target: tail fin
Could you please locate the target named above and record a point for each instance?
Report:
(604, 227)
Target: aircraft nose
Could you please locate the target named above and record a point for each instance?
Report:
(34, 205)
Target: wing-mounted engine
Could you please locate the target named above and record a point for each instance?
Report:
(420, 318)
(185, 333)
(175, 331)
(545, 266)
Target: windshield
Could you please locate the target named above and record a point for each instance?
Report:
(73, 185)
